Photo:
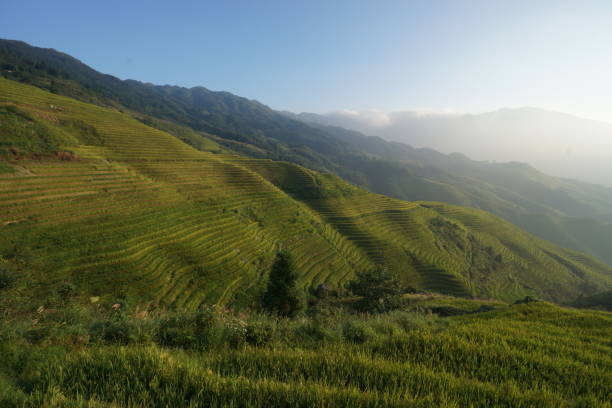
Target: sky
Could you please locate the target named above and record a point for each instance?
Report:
(330, 55)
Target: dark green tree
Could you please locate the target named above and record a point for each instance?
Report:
(282, 295)
(380, 290)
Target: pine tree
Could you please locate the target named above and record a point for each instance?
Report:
(282, 295)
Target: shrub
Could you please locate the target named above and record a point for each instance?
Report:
(380, 290)
(525, 300)
(38, 334)
(260, 331)
(118, 331)
(314, 331)
(6, 281)
(234, 331)
(204, 330)
(385, 327)
(357, 332)
(412, 320)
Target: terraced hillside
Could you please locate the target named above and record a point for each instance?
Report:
(115, 208)
(569, 213)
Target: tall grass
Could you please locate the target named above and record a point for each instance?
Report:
(514, 356)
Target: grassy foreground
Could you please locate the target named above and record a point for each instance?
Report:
(526, 355)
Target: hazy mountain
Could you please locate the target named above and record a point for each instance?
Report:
(553, 142)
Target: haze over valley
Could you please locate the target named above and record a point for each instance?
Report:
(555, 143)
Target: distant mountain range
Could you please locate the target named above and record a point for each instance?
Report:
(555, 143)
(570, 213)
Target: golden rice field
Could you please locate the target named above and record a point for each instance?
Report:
(136, 212)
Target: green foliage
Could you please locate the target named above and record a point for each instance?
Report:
(6, 280)
(524, 355)
(379, 288)
(5, 168)
(602, 301)
(525, 300)
(20, 133)
(282, 295)
(357, 331)
(205, 329)
(261, 330)
(86, 133)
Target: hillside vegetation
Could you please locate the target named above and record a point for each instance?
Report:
(492, 355)
(569, 213)
(127, 211)
(601, 301)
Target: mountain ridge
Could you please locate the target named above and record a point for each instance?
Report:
(558, 143)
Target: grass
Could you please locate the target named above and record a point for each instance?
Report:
(513, 356)
(20, 131)
(5, 168)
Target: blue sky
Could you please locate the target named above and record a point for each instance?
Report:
(326, 55)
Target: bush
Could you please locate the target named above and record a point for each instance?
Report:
(525, 300)
(234, 331)
(260, 331)
(313, 332)
(204, 330)
(113, 331)
(6, 281)
(357, 332)
(385, 327)
(380, 290)
(412, 320)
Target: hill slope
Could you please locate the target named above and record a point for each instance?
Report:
(125, 210)
(569, 213)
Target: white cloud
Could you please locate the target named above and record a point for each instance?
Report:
(436, 112)
(376, 118)
(371, 118)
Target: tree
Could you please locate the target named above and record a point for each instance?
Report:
(380, 290)
(282, 295)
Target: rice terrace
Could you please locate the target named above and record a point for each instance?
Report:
(168, 246)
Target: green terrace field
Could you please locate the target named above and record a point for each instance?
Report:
(492, 355)
(95, 199)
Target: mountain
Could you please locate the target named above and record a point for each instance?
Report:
(553, 142)
(95, 203)
(239, 123)
(572, 214)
